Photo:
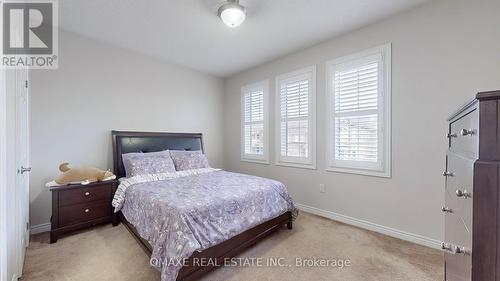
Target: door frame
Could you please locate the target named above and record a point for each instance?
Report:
(22, 77)
(3, 176)
(3, 169)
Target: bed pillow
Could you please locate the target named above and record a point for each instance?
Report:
(188, 160)
(147, 163)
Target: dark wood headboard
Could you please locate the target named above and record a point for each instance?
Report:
(126, 142)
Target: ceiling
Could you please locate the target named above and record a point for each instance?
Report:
(189, 33)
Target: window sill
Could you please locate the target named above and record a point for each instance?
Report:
(257, 161)
(380, 174)
(297, 165)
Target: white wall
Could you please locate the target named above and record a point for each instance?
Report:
(99, 88)
(442, 54)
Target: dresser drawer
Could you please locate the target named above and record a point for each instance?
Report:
(84, 212)
(459, 191)
(83, 195)
(458, 267)
(455, 233)
(464, 134)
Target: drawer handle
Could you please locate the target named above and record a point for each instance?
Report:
(87, 210)
(461, 250)
(450, 135)
(464, 194)
(467, 132)
(446, 210)
(452, 249)
(87, 193)
(447, 247)
(448, 174)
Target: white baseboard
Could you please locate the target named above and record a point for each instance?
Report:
(403, 235)
(40, 228)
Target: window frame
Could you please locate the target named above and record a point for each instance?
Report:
(384, 115)
(290, 161)
(255, 158)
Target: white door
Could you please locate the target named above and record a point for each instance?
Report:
(22, 163)
(14, 159)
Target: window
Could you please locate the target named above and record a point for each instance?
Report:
(255, 123)
(296, 119)
(359, 131)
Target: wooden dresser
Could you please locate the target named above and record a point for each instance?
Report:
(80, 206)
(472, 234)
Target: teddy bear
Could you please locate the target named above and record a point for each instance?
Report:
(84, 175)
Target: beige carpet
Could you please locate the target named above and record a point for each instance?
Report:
(111, 253)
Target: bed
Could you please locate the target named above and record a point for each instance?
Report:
(230, 238)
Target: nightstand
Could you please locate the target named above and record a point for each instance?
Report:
(81, 206)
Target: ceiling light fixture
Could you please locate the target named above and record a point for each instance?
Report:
(232, 13)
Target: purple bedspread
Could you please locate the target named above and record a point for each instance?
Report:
(182, 215)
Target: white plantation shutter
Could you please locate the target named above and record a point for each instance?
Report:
(254, 122)
(295, 117)
(358, 122)
(356, 138)
(294, 108)
(356, 112)
(356, 88)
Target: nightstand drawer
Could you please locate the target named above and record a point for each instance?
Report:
(83, 195)
(81, 206)
(84, 212)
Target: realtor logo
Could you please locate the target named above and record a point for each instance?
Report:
(29, 34)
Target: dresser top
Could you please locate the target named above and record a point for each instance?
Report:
(489, 95)
(463, 108)
(75, 186)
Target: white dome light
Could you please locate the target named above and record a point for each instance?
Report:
(232, 13)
